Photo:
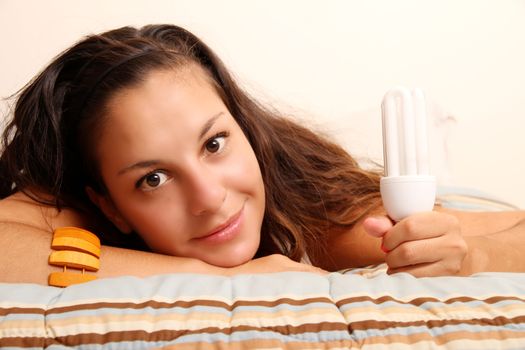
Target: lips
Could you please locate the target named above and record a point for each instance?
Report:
(224, 232)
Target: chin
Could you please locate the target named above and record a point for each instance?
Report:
(231, 262)
(231, 258)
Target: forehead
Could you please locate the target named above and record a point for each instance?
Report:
(164, 111)
(174, 78)
(187, 89)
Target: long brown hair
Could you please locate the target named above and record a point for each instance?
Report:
(312, 185)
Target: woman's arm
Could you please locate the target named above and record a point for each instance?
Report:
(24, 252)
(495, 240)
(477, 223)
(442, 242)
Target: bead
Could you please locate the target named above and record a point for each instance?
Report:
(64, 279)
(77, 233)
(74, 248)
(76, 244)
(77, 260)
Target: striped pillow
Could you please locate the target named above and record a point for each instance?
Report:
(357, 309)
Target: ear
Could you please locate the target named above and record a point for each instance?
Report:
(106, 205)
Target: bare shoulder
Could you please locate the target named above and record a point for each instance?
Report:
(21, 209)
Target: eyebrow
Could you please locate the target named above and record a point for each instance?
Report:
(139, 165)
(149, 163)
(207, 126)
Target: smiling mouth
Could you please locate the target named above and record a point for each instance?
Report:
(224, 232)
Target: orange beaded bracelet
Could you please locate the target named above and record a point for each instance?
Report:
(74, 248)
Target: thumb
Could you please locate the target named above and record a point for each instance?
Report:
(377, 226)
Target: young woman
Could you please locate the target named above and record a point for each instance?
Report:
(143, 137)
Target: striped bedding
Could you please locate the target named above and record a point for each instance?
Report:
(356, 309)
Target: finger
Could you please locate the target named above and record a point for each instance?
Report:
(377, 226)
(448, 252)
(414, 253)
(421, 270)
(425, 270)
(420, 226)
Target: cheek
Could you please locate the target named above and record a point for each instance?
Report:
(161, 223)
(155, 212)
(245, 171)
(150, 214)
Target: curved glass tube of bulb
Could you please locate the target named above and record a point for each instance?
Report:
(407, 187)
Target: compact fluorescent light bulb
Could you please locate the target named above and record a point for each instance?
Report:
(407, 186)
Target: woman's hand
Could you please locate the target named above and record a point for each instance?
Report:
(272, 263)
(423, 244)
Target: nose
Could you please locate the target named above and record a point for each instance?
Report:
(204, 191)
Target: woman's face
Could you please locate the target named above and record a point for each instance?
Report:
(179, 170)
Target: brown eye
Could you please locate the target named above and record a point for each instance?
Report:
(216, 143)
(152, 181)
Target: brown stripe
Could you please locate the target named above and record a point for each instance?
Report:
(380, 325)
(24, 342)
(421, 301)
(21, 310)
(215, 303)
(497, 336)
(187, 304)
(169, 335)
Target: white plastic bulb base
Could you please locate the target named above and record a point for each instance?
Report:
(406, 195)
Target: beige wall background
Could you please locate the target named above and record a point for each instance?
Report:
(330, 62)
